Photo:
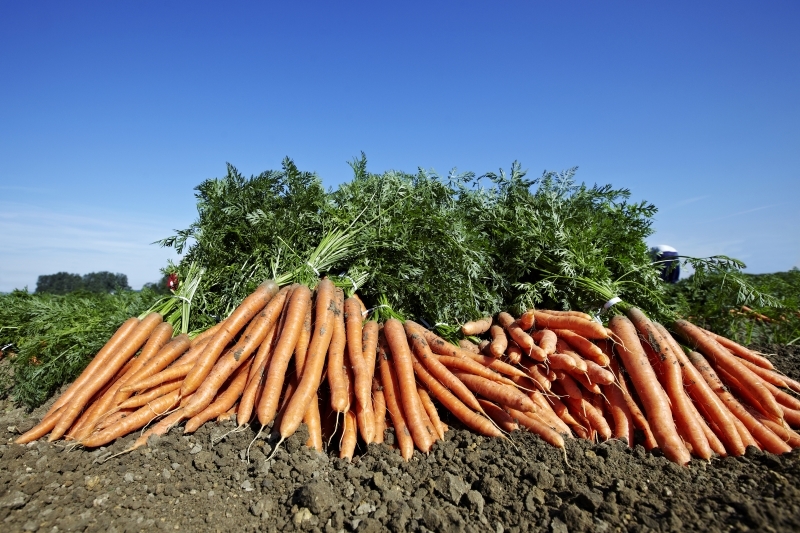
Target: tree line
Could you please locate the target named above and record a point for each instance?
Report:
(98, 282)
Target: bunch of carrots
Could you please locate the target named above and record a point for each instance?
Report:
(291, 355)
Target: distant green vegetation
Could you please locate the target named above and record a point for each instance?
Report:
(65, 283)
(47, 339)
(715, 303)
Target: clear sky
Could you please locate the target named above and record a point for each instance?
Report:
(111, 112)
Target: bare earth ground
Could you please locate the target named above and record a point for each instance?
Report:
(469, 483)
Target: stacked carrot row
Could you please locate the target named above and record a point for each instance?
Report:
(292, 355)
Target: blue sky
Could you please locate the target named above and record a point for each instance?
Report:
(111, 112)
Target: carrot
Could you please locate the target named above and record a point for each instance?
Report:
(513, 353)
(767, 438)
(113, 418)
(585, 328)
(161, 428)
(442, 347)
(134, 421)
(362, 374)
(496, 392)
(784, 399)
(769, 376)
(688, 425)
(251, 305)
(438, 370)
(476, 327)
(740, 351)
(587, 384)
(166, 355)
(535, 374)
(577, 314)
(473, 367)
(518, 335)
(168, 374)
(42, 428)
(430, 410)
(114, 362)
(401, 361)
(152, 394)
(560, 361)
(563, 348)
(598, 374)
(623, 420)
(390, 388)
(570, 387)
(503, 420)
(449, 401)
(499, 341)
(724, 359)
(340, 396)
(313, 421)
(349, 436)
(379, 408)
(654, 399)
(99, 360)
(583, 346)
(594, 416)
(547, 414)
(787, 435)
(791, 417)
(324, 309)
(547, 340)
(548, 434)
(468, 345)
(701, 393)
(561, 411)
(223, 401)
(229, 414)
(207, 334)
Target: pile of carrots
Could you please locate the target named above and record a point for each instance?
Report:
(291, 355)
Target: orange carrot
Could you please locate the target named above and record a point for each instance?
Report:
(362, 374)
(578, 314)
(379, 408)
(580, 363)
(150, 395)
(337, 381)
(313, 421)
(623, 420)
(538, 427)
(769, 376)
(223, 401)
(560, 361)
(583, 346)
(724, 359)
(168, 374)
(390, 388)
(499, 341)
(102, 375)
(740, 351)
(496, 392)
(468, 345)
(349, 436)
(585, 328)
(430, 410)
(503, 420)
(547, 340)
(518, 335)
(243, 314)
(654, 399)
(598, 374)
(324, 309)
(166, 355)
(569, 385)
(476, 327)
(473, 367)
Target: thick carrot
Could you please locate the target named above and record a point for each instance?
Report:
(499, 341)
(267, 408)
(449, 401)
(430, 410)
(390, 388)
(379, 408)
(765, 437)
(513, 353)
(563, 348)
(166, 355)
(97, 362)
(598, 374)
(103, 374)
(243, 314)
(711, 404)
(548, 434)
(688, 425)
(473, 367)
(585, 328)
(362, 374)
(134, 421)
(547, 340)
(468, 345)
(313, 420)
(654, 399)
(349, 436)
(769, 376)
(560, 361)
(324, 318)
(583, 346)
(496, 392)
(442, 347)
(518, 335)
(503, 420)
(438, 370)
(223, 401)
(401, 361)
(741, 351)
(724, 359)
(150, 395)
(476, 327)
(578, 314)
(623, 421)
(337, 381)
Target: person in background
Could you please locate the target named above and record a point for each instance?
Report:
(667, 259)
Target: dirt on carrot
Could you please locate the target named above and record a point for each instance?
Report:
(468, 482)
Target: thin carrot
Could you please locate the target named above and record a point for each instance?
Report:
(324, 309)
(114, 362)
(499, 341)
(243, 314)
(349, 436)
(150, 395)
(166, 355)
(379, 408)
(535, 373)
(476, 327)
(362, 373)
(518, 335)
(583, 346)
(547, 414)
(587, 383)
(491, 390)
(473, 367)
(709, 402)
(168, 374)
(469, 346)
(337, 381)
(430, 410)
(223, 401)
(570, 386)
(623, 421)
(585, 328)
(503, 420)
(726, 360)
(740, 351)
(538, 427)
(784, 399)
(769, 376)
(598, 374)
(563, 348)
(390, 387)
(577, 314)
(767, 438)
(654, 399)
(449, 401)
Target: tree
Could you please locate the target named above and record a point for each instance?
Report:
(105, 282)
(64, 282)
(59, 283)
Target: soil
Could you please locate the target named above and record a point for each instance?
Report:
(466, 483)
